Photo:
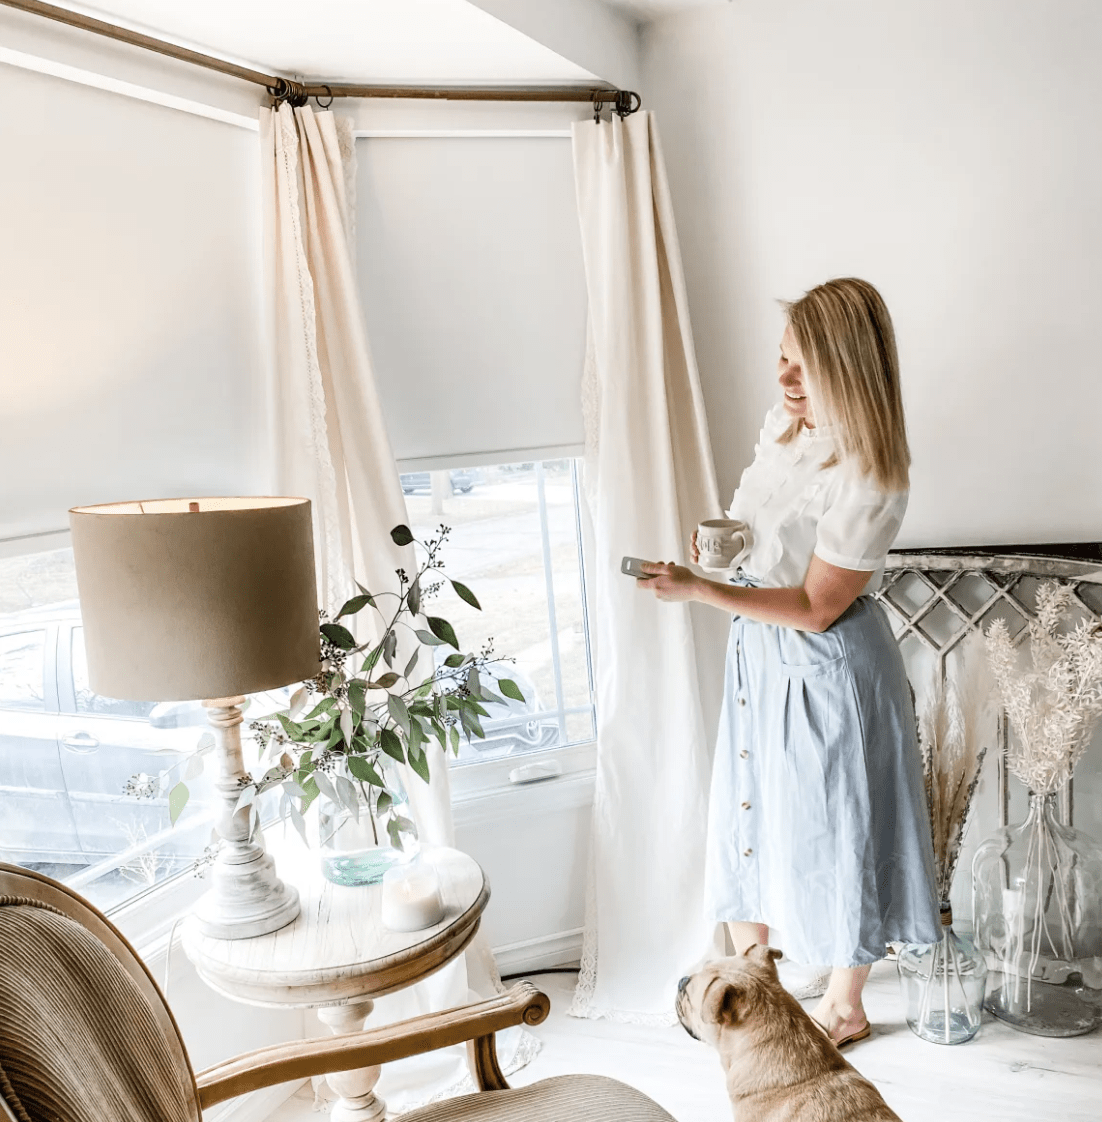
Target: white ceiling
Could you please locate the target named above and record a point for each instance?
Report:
(649, 9)
(369, 41)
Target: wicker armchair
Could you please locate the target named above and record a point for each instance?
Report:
(86, 1036)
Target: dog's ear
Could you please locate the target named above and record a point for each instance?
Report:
(759, 952)
(720, 1002)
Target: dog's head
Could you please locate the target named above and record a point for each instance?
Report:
(727, 993)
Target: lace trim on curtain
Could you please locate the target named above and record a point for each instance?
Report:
(335, 579)
(582, 1005)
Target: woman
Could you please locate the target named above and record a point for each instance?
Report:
(817, 823)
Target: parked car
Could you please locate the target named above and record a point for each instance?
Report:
(513, 727)
(66, 753)
(463, 481)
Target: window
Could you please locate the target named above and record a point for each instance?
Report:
(66, 753)
(515, 541)
(22, 660)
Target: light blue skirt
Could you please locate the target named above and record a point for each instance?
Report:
(817, 819)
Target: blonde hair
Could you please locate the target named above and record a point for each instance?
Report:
(845, 334)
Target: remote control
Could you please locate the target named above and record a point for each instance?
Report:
(633, 567)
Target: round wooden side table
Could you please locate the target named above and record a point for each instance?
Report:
(337, 956)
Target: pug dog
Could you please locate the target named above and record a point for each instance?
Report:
(780, 1066)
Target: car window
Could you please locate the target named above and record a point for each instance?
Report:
(21, 670)
(89, 702)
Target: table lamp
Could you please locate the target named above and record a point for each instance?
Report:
(205, 600)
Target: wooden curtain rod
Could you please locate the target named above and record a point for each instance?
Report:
(297, 93)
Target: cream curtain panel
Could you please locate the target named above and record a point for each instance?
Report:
(331, 446)
(649, 479)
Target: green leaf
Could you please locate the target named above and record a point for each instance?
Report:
(419, 762)
(442, 630)
(398, 712)
(415, 738)
(298, 702)
(325, 705)
(471, 724)
(401, 535)
(338, 635)
(372, 660)
(325, 786)
(299, 821)
(473, 682)
(395, 833)
(453, 662)
(205, 743)
(429, 639)
(349, 798)
(453, 736)
(390, 646)
(413, 597)
(385, 682)
(384, 803)
(411, 664)
(363, 771)
(194, 767)
(464, 593)
(356, 604)
(510, 689)
(177, 800)
(246, 798)
(391, 745)
(357, 690)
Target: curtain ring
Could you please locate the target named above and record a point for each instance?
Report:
(294, 93)
(596, 107)
(627, 102)
(329, 102)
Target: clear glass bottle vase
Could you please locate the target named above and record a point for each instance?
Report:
(1037, 902)
(356, 848)
(943, 985)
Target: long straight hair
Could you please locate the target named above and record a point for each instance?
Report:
(845, 334)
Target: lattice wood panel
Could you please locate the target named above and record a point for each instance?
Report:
(938, 600)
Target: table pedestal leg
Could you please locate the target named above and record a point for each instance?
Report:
(357, 1102)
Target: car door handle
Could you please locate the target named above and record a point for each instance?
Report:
(80, 742)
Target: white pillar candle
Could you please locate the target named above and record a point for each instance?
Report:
(411, 897)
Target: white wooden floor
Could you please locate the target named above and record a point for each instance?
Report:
(1001, 1076)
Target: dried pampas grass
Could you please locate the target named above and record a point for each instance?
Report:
(1055, 704)
(953, 720)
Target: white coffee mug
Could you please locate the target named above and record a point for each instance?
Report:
(722, 542)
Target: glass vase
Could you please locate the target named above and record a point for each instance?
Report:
(942, 985)
(1037, 902)
(356, 848)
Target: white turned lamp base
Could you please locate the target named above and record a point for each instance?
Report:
(246, 897)
(245, 900)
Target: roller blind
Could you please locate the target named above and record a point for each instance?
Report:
(128, 307)
(470, 264)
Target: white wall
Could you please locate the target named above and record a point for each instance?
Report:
(943, 151)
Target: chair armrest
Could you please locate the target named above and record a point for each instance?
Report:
(280, 1063)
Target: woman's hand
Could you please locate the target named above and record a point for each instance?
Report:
(694, 551)
(670, 582)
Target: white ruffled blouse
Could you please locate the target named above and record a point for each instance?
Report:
(796, 508)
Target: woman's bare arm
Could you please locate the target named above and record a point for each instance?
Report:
(826, 593)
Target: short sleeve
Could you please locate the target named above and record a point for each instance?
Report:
(859, 525)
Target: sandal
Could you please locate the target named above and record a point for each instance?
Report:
(861, 1034)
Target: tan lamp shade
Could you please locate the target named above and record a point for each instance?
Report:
(192, 599)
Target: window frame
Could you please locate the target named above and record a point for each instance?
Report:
(477, 780)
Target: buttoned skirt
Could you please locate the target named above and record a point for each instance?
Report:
(817, 816)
